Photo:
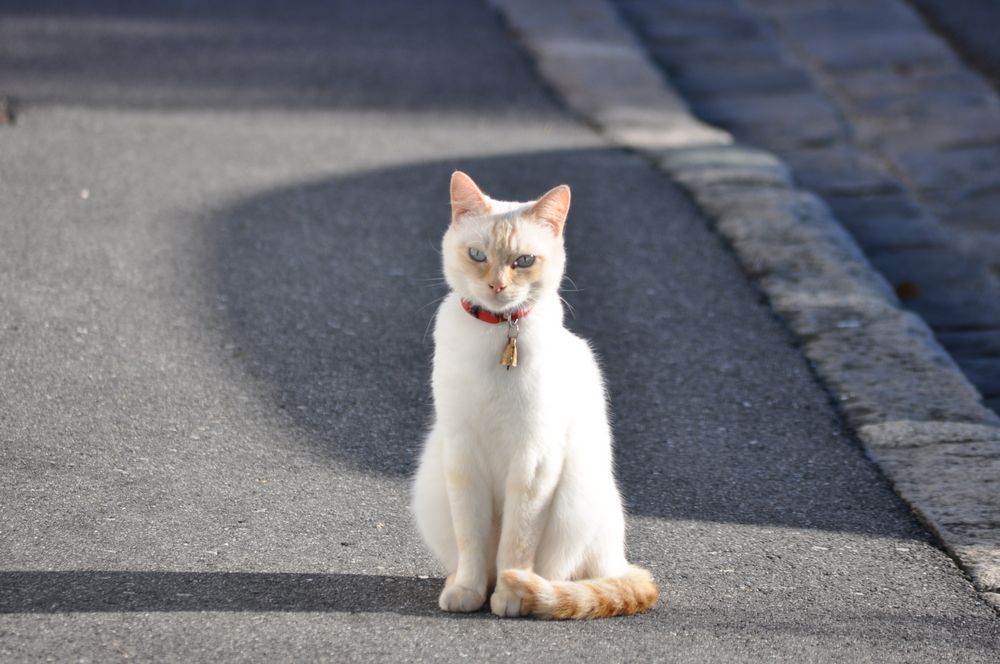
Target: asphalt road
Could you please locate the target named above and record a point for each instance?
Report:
(218, 262)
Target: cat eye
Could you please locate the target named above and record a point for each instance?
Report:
(477, 255)
(524, 261)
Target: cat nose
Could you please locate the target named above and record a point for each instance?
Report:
(497, 287)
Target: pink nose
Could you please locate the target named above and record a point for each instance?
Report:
(496, 289)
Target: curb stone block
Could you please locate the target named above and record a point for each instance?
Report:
(639, 137)
(918, 433)
(956, 486)
(704, 166)
(890, 370)
(586, 54)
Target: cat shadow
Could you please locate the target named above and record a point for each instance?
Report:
(94, 591)
(129, 592)
(328, 291)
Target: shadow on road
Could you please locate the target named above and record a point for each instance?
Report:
(107, 591)
(38, 592)
(257, 54)
(330, 289)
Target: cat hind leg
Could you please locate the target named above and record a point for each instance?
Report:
(431, 510)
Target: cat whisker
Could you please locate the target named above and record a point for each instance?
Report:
(427, 328)
(431, 303)
(430, 320)
(572, 311)
(575, 289)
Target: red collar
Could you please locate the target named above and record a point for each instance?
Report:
(489, 317)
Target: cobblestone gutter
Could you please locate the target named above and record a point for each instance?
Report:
(873, 112)
(913, 410)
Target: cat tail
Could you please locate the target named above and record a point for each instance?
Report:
(633, 592)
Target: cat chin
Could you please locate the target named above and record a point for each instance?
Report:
(498, 305)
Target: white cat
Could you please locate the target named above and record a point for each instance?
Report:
(515, 491)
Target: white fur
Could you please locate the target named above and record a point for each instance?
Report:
(517, 469)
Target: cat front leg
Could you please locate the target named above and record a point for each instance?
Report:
(529, 490)
(472, 520)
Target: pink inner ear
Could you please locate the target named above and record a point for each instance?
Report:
(553, 207)
(466, 197)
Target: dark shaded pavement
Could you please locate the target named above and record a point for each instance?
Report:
(971, 27)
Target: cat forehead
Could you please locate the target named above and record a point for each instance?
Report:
(506, 231)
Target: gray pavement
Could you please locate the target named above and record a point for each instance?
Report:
(217, 267)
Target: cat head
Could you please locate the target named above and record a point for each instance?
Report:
(503, 255)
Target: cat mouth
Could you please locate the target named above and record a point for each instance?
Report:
(503, 304)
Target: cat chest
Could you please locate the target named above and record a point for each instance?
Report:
(471, 388)
(492, 393)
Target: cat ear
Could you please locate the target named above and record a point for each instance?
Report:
(552, 208)
(466, 198)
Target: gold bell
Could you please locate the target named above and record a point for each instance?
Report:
(509, 356)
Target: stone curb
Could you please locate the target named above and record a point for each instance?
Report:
(915, 413)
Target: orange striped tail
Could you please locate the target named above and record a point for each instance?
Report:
(633, 592)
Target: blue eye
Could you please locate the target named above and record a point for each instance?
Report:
(524, 261)
(477, 255)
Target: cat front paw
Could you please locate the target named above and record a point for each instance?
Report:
(460, 599)
(506, 603)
